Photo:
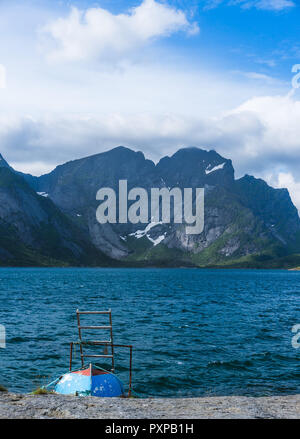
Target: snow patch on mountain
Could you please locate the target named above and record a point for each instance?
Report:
(145, 232)
(215, 168)
(43, 194)
(158, 240)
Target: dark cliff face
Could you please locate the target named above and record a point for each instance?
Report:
(244, 218)
(273, 206)
(33, 231)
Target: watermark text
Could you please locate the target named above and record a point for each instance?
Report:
(2, 337)
(165, 205)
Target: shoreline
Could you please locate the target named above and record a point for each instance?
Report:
(147, 267)
(52, 406)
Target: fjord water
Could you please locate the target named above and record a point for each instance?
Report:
(195, 332)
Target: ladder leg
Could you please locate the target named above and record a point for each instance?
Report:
(71, 355)
(112, 342)
(79, 333)
(130, 372)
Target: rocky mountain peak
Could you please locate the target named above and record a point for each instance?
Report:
(3, 163)
(196, 167)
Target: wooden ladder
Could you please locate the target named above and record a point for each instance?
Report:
(106, 343)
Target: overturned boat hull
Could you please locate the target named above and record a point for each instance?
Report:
(90, 381)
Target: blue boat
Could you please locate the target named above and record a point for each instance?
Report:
(90, 382)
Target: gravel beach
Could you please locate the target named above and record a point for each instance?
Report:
(67, 407)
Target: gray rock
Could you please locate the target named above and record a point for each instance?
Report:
(53, 406)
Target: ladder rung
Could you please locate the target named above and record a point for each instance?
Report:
(98, 342)
(94, 312)
(94, 327)
(98, 356)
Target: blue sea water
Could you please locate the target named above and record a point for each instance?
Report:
(195, 332)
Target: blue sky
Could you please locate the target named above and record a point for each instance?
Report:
(232, 36)
(79, 77)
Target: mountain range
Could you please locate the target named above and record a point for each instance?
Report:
(51, 220)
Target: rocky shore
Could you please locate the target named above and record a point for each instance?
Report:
(52, 406)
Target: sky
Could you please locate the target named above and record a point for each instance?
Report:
(80, 77)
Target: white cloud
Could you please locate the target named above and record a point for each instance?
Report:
(272, 5)
(2, 76)
(33, 167)
(257, 76)
(279, 115)
(267, 5)
(95, 33)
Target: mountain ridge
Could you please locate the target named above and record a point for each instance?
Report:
(247, 222)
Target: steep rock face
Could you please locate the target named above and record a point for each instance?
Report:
(34, 231)
(273, 206)
(243, 218)
(194, 167)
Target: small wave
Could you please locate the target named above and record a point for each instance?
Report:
(18, 339)
(231, 365)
